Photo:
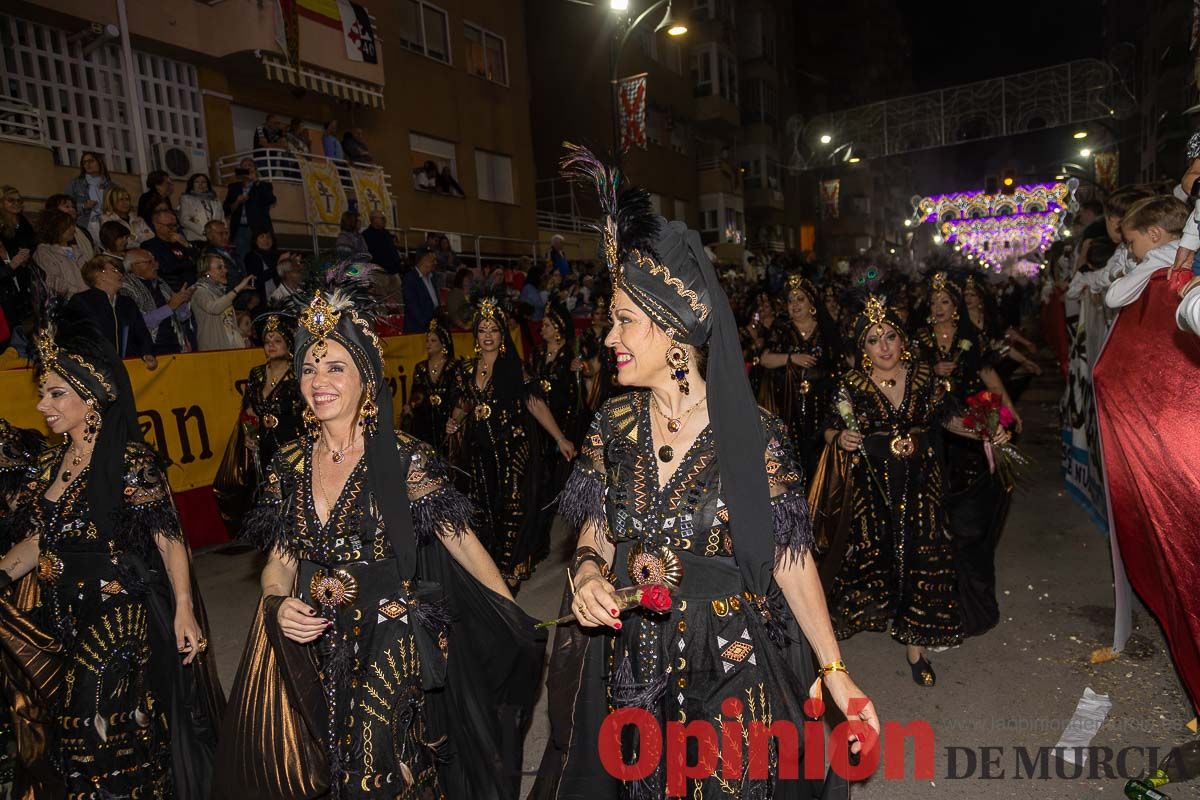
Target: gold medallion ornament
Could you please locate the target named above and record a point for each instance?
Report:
(875, 312)
(938, 282)
(270, 421)
(435, 400)
(805, 387)
(332, 589)
(903, 446)
(319, 318)
(49, 567)
(656, 565)
(482, 411)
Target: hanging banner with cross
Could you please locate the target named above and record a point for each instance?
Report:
(631, 105)
(830, 191)
(324, 197)
(370, 191)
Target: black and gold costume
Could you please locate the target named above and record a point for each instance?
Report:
(119, 710)
(495, 454)
(977, 501)
(800, 395)
(892, 566)
(419, 686)
(270, 416)
(432, 401)
(719, 640)
(433, 392)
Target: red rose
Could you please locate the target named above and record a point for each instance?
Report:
(655, 598)
(969, 422)
(974, 401)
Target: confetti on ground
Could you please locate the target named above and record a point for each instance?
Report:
(1103, 655)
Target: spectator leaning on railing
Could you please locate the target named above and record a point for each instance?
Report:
(295, 138)
(176, 259)
(248, 204)
(166, 313)
(118, 207)
(87, 189)
(83, 239)
(115, 315)
(159, 188)
(331, 145)
(57, 255)
(355, 148)
(198, 206)
(270, 133)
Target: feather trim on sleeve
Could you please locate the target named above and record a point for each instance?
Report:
(792, 528)
(582, 498)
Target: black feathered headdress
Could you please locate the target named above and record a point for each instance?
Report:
(662, 267)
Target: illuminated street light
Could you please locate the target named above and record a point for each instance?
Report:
(892, 250)
(937, 238)
(673, 26)
(826, 138)
(618, 5)
(908, 223)
(1080, 134)
(1086, 152)
(853, 160)
(1060, 177)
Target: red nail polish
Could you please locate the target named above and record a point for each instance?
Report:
(613, 611)
(617, 626)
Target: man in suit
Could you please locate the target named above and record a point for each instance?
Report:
(247, 206)
(114, 315)
(420, 297)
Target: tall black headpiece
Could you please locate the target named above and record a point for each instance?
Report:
(343, 313)
(70, 346)
(663, 268)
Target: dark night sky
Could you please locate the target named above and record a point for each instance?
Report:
(952, 43)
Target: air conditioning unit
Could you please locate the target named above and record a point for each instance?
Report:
(180, 162)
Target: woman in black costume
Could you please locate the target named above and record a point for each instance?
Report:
(683, 482)
(801, 360)
(433, 385)
(877, 497)
(104, 637)
(977, 500)
(270, 417)
(492, 409)
(1002, 339)
(387, 659)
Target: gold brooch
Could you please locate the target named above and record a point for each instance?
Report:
(658, 565)
(483, 411)
(903, 446)
(435, 400)
(319, 318)
(332, 589)
(49, 568)
(269, 421)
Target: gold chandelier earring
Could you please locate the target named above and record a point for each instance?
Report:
(478, 351)
(91, 421)
(868, 366)
(368, 412)
(678, 362)
(311, 426)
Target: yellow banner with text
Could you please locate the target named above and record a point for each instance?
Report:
(187, 407)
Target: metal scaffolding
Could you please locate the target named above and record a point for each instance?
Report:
(1066, 94)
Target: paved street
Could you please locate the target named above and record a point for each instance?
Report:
(1015, 687)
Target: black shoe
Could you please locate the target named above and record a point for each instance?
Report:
(922, 672)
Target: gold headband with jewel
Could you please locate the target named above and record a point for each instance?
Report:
(48, 354)
(488, 309)
(938, 282)
(273, 325)
(319, 318)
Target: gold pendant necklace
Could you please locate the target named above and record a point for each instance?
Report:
(76, 460)
(674, 424)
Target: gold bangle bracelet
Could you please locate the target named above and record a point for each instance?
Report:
(835, 666)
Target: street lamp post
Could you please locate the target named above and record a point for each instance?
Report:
(625, 28)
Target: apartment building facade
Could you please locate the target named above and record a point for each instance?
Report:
(449, 86)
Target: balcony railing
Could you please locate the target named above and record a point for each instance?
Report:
(558, 208)
(283, 166)
(21, 122)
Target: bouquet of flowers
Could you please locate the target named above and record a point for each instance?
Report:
(653, 597)
(846, 412)
(987, 416)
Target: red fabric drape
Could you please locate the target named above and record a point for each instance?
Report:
(1148, 400)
